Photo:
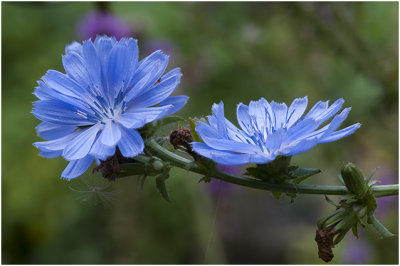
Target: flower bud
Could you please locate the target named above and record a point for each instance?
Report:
(158, 165)
(354, 179)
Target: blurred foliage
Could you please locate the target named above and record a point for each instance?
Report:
(235, 52)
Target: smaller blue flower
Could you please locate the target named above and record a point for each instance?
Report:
(268, 130)
(105, 95)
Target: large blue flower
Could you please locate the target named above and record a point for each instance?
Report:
(104, 96)
(268, 130)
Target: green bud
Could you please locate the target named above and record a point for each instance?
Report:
(354, 179)
(158, 165)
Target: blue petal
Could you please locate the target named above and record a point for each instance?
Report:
(176, 101)
(244, 119)
(138, 117)
(122, 60)
(230, 145)
(333, 109)
(222, 157)
(205, 130)
(303, 128)
(270, 115)
(51, 131)
(229, 158)
(340, 133)
(261, 158)
(131, 143)
(80, 146)
(214, 140)
(156, 94)
(103, 46)
(298, 147)
(77, 167)
(111, 134)
(280, 111)
(75, 68)
(275, 140)
(296, 110)
(73, 47)
(218, 113)
(58, 112)
(101, 151)
(148, 72)
(93, 64)
(50, 154)
(55, 144)
(236, 134)
(336, 121)
(258, 115)
(63, 84)
(43, 92)
(316, 110)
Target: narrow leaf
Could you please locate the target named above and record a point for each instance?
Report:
(354, 230)
(341, 179)
(380, 227)
(371, 174)
(160, 184)
(142, 179)
(196, 136)
(276, 194)
(301, 174)
(332, 202)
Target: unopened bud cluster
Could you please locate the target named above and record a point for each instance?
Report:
(355, 208)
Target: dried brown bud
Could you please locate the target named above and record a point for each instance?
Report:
(110, 167)
(324, 238)
(183, 137)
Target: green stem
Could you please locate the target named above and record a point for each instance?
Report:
(178, 161)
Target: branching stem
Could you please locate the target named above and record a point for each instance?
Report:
(181, 162)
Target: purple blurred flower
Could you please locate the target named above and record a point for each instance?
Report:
(358, 251)
(217, 186)
(102, 23)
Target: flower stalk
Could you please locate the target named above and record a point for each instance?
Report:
(181, 162)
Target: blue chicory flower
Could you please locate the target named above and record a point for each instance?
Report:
(104, 96)
(268, 130)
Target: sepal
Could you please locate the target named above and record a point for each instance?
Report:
(161, 187)
(148, 130)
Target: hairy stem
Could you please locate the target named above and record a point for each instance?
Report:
(181, 162)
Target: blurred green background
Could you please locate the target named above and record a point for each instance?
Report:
(235, 52)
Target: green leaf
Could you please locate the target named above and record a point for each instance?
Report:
(380, 227)
(276, 194)
(341, 179)
(169, 120)
(196, 136)
(322, 221)
(206, 179)
(332, 202)
(151, 128)
(160, 185)
(349, 197)
(370, 175)
(300, 174)
(142, 179)
(254, 172)
(340, 237)
(354, 230)
(372, 183)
